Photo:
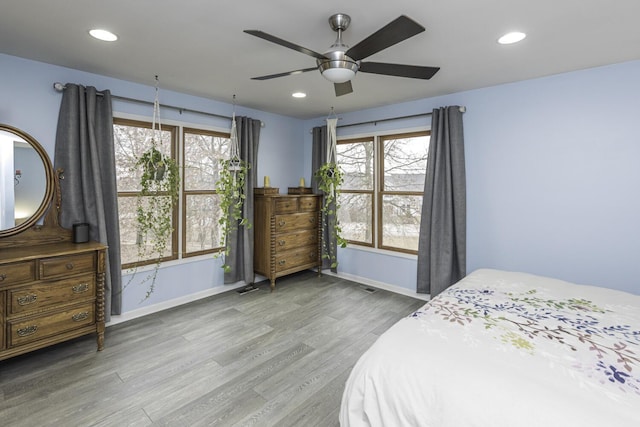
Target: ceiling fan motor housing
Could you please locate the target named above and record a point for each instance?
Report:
(337, 67)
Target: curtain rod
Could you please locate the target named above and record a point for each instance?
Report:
(59, 87)
(462, 110)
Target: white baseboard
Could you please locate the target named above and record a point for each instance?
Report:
(379, 285)
(165, 305)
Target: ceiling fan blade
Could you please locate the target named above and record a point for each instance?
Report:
(394, 32)
(281, 42)
(288, 73)
(398, 70)
(343, 88)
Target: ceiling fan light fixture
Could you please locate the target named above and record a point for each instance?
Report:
(338, 75)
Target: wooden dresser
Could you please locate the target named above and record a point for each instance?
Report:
(286, 234)
(50, 293)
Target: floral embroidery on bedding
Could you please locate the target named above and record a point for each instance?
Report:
(523, 319)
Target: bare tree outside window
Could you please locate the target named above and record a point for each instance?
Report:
(381, 198)
(403, 167)
(201, 155)
(356, 160)
(131, 140)
(203, 152)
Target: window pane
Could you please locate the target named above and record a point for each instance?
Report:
(129, 236)
(401, 221)
(202, 154)
(356, 161)
(355, 217)
(405, 162)
(202, 227)
(131, 141)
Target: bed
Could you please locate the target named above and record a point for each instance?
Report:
(504, 349)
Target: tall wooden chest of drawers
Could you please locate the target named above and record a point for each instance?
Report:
(50, 293)
(287, 235)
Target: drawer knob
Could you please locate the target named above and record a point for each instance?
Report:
(312, 220)
(282, 223)
(282, 262)
(27, 299)
(2, 277)
(80, 288)
(69, 266)
(29, 330)
(281, 242)
(79, 317)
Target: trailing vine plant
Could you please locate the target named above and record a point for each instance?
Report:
(230, 187)
(329, 178)
(159, 192)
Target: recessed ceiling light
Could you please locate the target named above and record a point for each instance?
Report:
(299, 95)
(513, 37)
(103, 35)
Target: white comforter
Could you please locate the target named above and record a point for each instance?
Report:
(504, 349)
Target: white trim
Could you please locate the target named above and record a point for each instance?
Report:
(165, 305)
(380, 285)
(386, 252)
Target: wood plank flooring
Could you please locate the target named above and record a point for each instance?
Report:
(263, 359)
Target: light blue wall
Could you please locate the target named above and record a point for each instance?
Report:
(29, 102)
(552, 175)
(553, 182)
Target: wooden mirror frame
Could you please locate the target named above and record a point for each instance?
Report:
(50, 182)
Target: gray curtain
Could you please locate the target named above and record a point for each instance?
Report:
(319, 158)
(240, 241)
(442, 241)
(85, 150)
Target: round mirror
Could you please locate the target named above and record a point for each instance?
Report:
(26, 181)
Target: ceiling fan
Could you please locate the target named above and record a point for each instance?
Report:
(340, 62)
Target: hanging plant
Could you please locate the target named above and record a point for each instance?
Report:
(329, 178)
(159, 192)
(230, 187)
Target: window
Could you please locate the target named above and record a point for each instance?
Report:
(381, 201)
(203, 151)
(356, 159)
(199, 207)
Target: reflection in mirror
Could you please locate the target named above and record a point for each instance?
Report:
(25, 180)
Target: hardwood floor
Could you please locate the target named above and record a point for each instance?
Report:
(264, 359)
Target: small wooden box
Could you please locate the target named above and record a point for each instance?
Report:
(299, 190)
(266, 190)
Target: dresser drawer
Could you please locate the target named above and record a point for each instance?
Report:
(67, 265)
(288, 205)
(308, 203)
(46, 294)
(286, 223)
(288, 241)
(296, 258)
(23, 331)
(17, 272)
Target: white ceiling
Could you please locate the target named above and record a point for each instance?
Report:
(198, 47)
